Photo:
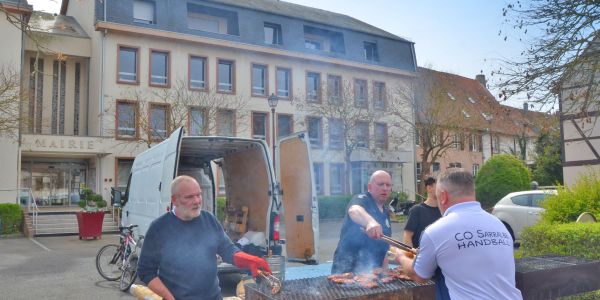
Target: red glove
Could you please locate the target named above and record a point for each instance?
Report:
(247, 261)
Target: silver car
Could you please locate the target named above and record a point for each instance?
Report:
(520, 209)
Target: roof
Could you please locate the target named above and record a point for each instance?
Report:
(56, 24)
(475, 106)
(310, 14)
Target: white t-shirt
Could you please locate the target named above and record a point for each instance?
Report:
(474, 251)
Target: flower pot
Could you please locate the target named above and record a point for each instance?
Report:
(90, 224)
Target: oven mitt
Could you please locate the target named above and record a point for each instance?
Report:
(247, 261)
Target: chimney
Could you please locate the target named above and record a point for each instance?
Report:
(481, 79)
(525, 107)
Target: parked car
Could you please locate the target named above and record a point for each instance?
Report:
(520, 209)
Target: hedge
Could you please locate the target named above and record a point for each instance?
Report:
(583, 196)
(12, 218)
(333, 207)
(572, 239)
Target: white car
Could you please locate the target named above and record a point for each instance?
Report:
(520, 209)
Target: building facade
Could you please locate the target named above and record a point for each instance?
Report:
(123, 74)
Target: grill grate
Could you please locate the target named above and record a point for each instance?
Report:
(322, 288)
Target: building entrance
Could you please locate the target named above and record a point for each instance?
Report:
(56, 183)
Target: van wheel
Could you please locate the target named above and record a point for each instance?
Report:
(512, 235)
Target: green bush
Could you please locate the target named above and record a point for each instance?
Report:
(12, 218)
(583, 196)
(333, 207)
(220, 208)
(572, 239)
(500, 175)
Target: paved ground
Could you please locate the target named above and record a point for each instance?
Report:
(64, 267)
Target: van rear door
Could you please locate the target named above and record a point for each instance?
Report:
(169, 169)
(300, 206)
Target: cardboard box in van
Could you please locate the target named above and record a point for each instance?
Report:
(262, 211)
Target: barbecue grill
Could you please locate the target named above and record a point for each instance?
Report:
(321, 288)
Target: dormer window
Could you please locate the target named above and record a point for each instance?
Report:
(486, 116)
(143, 12)
(371, 51)
(323, 40)
(472, 100)
(273, 34)
(451, 97)
(465, 114)
(210, 19)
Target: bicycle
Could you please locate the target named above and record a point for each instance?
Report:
(115, 262)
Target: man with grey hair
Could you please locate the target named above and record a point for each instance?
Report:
(464, 240)
(367, 219)
(178, 259)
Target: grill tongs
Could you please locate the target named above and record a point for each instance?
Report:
(398, 244)
(273, 282)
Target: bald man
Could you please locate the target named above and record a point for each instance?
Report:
(367, 219)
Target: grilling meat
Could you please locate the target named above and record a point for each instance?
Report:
(369, 280)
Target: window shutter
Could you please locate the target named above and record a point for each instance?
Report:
(143, 10)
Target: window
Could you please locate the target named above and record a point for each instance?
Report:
(487, 116)
(123, 171)
(319, 179)
(496, 143)
(371, 51)
(259, 80)
(336, 179)
(381, 136)
(475, 142)
(197, 73)
(323, 39)
(226, 123)
(285, 125)
(259, 125)
(522, 200)
(273, 34)
(379, 95)
(417, 137)
(538, 199)
(419, 170)
(362, 134)
(451, 97)
(128, 68)
(143, 12)
(225, 73)
(315, 131)
(159, 68)
(159, 121)
(360, 93)
(127, 115)
(475, 169)
(472, 100)
(336, 135)
(212, 19)
(197, 121)
(284, 83)
(456, 140)
(334, 88)
(313, 87)
(435, 167)
(466, 114)
(455, 165)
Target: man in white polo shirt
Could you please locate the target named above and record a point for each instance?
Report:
(471, 247)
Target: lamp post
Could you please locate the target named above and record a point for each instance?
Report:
(273, 99)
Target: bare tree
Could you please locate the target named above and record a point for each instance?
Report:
(561, 36)
(177, 102)
(11, 101)
(343, 115)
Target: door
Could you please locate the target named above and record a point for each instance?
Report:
(298, 196)
(169, 169)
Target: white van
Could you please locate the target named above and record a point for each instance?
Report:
(287, 202)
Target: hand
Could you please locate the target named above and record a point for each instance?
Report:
(247, 261)
(373, 230)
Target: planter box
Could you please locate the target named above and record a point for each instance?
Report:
(90, 224)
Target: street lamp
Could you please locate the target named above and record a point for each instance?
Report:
(273, 99)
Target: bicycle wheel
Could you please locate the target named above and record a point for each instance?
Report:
(129, 273)
(109, 261)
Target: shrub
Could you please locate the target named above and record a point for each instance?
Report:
(220, 208)
(583, 196)
(12, 218)
(500, 175)
(332, 207)
(573, 239)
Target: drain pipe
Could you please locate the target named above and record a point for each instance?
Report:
(102, 71)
